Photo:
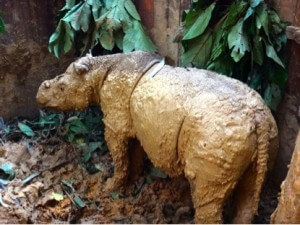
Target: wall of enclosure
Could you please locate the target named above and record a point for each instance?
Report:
(24, 58)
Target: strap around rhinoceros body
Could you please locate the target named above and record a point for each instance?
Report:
(155, 69)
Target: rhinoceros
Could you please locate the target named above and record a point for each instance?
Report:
(213, 129)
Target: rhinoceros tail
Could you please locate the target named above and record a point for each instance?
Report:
(249, 188)
(267, 146)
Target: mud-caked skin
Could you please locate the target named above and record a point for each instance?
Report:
(213, 129)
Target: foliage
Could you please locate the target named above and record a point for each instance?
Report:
(243, 40)
(2, 25)
(83, 24)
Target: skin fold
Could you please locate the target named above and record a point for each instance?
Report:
(213, 129)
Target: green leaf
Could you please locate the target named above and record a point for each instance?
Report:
(200, 24)
(238, 41)
(136, 38)
(272, 96)
(255, 81)
(69, 37)
(57, 50)
(129, 41)
(116, 195)
(54, 37)
(249, 13)
(96, 8)
(158, 173)
(106, 39)
(223, 65)
(275, 73)
(130, 7)
(149, 180)
(78, 127)
(92, 146)
(7, 172)
(254, 3)
(118, 14)
(119, 37)
(57, 196)
(2, 25)
(26, 129)
(69, 4)
(258, 51)
(262, 18)
(271, 53)
(199, 50)
(234, 14)
(80, 19)
(78, 201)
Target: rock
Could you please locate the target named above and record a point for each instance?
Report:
(288, 209)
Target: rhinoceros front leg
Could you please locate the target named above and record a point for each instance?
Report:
(117, 145)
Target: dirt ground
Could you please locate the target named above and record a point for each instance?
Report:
(45, 199)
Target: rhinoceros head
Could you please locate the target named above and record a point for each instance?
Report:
(71, 90)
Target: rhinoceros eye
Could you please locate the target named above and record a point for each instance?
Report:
(61, 87)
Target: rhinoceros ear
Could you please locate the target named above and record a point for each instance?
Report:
(83, 65)
(80, 68)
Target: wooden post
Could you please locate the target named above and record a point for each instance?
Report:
(162, 20)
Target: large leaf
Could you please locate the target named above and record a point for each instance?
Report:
(78, 127)
(62, 39)
(234, 14)
(223, 65)
(271, 53)
(254, 3)
(55, 36)
(107, 40)
(200, 24)
(96, 8)
(272, 96)
(119, 37)
(238, 41)
(118, 14)
(69, 37)
(136, 38)
(258, 51)
(81, 18)
(69, 4)
(132, 10)
(129, 41)
(262, 18)
(198, 52)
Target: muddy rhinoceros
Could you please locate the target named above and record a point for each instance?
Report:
(213, 129)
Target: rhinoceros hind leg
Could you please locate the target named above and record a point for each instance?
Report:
(244, 200)
(209, 200)
(118, 148)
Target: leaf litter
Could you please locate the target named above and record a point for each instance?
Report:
(52, 186)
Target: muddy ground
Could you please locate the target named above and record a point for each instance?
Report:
(47, 199)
